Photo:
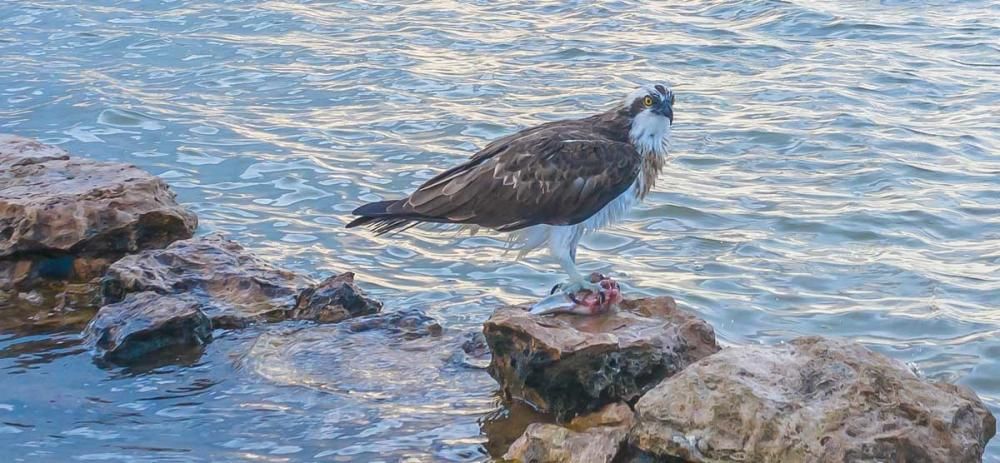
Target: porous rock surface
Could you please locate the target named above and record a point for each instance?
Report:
(68, 218)
(569, 364)
(592, 438)
(147, 322)
(237, 288)
(810, 400)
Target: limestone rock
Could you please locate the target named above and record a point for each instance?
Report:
(568, 364)
(616, 414)
(335, 299)
(147, 322)
(594, 438)
(236, 287)
(810, 400)
(67, 218)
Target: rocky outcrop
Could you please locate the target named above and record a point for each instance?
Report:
(236, 287)
(64, 218)
(218, 280)
(569, 364)
(810, 400)
(148, 322)
(593, 438)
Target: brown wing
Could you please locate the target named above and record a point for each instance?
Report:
(553, 174)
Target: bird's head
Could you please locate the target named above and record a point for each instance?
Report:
(651, 110)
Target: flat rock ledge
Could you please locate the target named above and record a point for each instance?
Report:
(65, 218)
(810, 400)
(570, 364)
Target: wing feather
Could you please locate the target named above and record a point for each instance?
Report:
(542, 176)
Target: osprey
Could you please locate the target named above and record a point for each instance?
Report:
(549, 184)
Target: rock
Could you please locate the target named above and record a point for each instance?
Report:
(66, 218)
(236, 287)
(568, 364)
(552, 443)
(616, 415)
(474, 352)
(227, 284)
(810, 400)
(405, 324)
(335, 299)
(147, 322)
(594, 438)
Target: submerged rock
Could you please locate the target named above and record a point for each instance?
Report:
(147, 322)
(406, 324)
(811, 400)
(64, 218)
(226, 284)
(372, 359)
(335, 299)
(474, 352)
(593, 438)
(568, 364)
(236, 287)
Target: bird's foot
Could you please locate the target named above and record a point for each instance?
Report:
(586, 297)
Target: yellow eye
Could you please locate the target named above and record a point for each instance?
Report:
(648, 101)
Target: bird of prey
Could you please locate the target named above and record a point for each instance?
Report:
(548, 185)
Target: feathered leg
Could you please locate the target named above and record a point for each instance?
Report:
(566, 297)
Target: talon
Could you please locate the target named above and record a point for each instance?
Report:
(588, 296)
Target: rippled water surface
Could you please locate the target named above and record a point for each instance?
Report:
(835, 171)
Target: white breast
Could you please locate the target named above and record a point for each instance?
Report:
(537, 236)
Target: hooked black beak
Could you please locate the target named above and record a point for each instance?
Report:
(666, 109)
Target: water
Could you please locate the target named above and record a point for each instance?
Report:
(835, 171)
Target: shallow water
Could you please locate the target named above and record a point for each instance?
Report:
(835, 171)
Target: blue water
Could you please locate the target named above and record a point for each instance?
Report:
(835, 171)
